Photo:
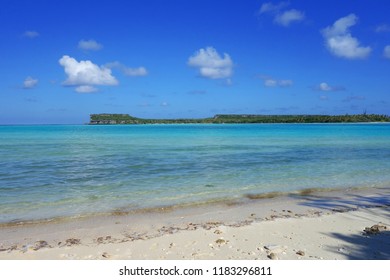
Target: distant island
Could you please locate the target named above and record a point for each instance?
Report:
(104, 119)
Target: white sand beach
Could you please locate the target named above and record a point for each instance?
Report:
(351, 224)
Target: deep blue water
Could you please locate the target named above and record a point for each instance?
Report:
(52, 171)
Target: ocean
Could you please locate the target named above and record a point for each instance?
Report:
(55, 171)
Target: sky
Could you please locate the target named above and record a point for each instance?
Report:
(64, 60)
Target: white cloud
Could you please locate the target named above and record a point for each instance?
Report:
(386, 51)
(326, 87)
(164, 104)
(140, 71)
(86, 89)
(271, 82)
(282, 16)
(30, 34)
(382, 28)
(85, 73)
(269, 7)
(340, 42)
(133, 72)
(285, 83)
(211, 65)
(29, 83)
(89, 45)
(288, 17)
(354, 98)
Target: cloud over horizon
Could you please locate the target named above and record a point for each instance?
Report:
(85, 74)
(326, 87)
(30, 34)
(354, 98)
(89, 45)
(272, 82)
(86, 89)
(128, 71)
(282, 16)
(210, 64)
(269, 7)
(288, 17)
(340, 42)
(30, 83)
(382, 28)
(386, 51)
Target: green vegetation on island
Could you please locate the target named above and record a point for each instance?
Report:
(96, 119)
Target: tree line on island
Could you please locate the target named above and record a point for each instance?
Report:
(96, 119)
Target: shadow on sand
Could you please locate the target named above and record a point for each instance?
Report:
(346, 201)
(371, 247)
(359, 246)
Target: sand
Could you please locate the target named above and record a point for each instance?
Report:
(333, 225)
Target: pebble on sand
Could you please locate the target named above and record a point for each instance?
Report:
(375, 229)
(301, 253)
(272, 256)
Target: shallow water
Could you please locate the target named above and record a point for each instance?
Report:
(56, 171)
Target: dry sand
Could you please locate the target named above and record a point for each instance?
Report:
(352, 224)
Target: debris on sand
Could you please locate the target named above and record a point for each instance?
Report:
(72, 241)
(300, 252)
(40, 244)
(375, 229)
(104, 240)
(272, 256)
(220, 241)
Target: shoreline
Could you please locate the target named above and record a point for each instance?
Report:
(282, 225)
(113, 119)
(88, 124)
(220, 202)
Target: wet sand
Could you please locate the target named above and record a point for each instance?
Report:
(348, 224)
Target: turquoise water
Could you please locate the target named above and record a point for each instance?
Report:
(55, 171)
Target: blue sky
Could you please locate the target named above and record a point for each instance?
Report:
(62, 60)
